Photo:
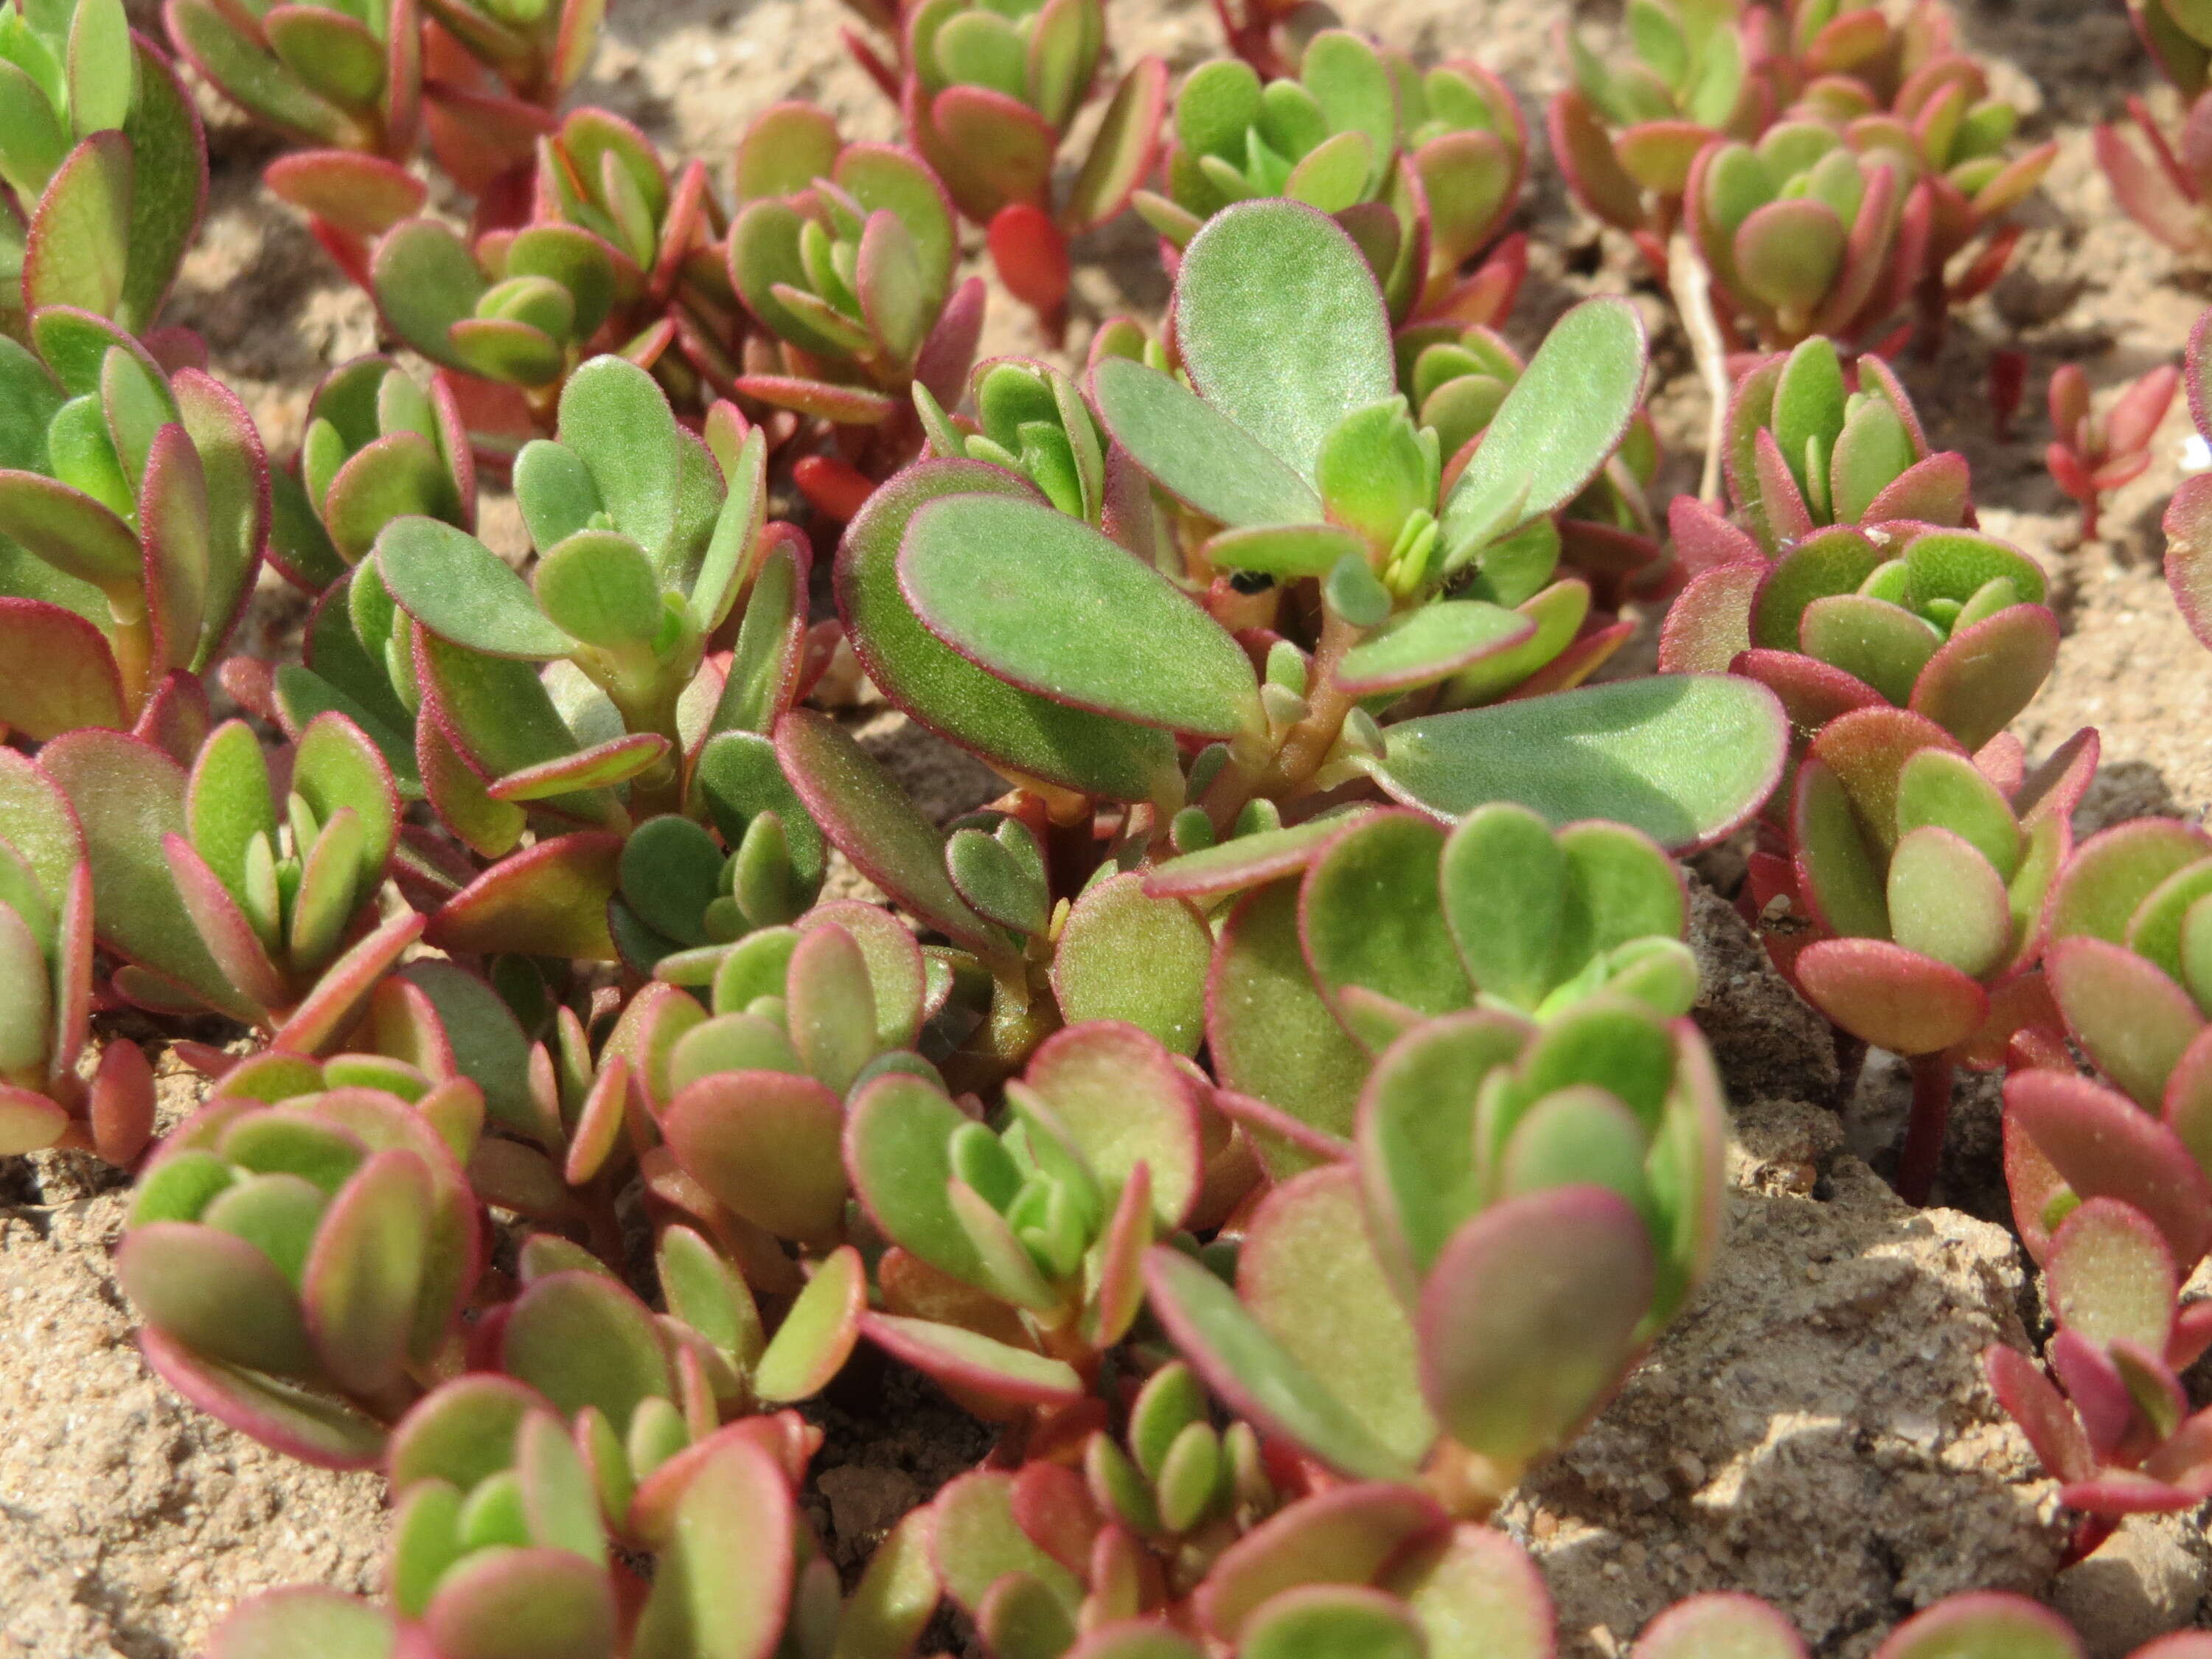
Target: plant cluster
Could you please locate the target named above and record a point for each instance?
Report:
(1278, 1113)
(1831, 168)
(2094, 452)
(2159, 180)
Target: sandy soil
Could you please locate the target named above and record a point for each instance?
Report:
(1815, 1430)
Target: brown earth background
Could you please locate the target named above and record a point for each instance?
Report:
(1815, 1430)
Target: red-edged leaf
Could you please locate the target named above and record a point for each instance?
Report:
(328, 1010)
(549, 900)
(1889, 996)
(767, 1145)
(2102, 1147)
(361, 193)
(963, 1359)
(2041, 1411)
(311, 1427)
(76, 684)
(1346, 1536)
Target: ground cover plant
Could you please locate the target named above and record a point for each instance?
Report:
(1278, 1117)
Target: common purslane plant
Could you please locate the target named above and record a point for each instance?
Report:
(1626, 133)
(2094, 452)
(103, 161)
(1829, 167)
(2159, 178)
(989, 95)
(362, 86)
(1844, 577)
(134, 507)
(1278, 1113)
(1422, 168)
(845, 255)
(2188, 519)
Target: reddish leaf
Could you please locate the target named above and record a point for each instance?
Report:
(1889, 996)
(549, 900)
(2101, 1146)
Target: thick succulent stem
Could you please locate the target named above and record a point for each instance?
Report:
(131, 639)
(2090, 1535)
(1469, 1485)
(1924, 1133)
(1306, 744)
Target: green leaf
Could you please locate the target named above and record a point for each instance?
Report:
(583, 1341)
(29, 398)
(236, 470)
(1946, 902)
(71, 531)
(496, 710)
(78, 254)
(1504, 878)
(1122, 149)
(1432, 643)
(1417, 1135)
(764, 1144)
(1351, 82)
(1254, 1373)
(1531, 1316)
(32, 140)
(1119, 1100)
(366, 1271)
(862, 810)
(228, 802)
(1310, 1276)
(1479, 1596)
(1271, 1033)
(1369, 916)
(555, 489)
(1281, 326)
(1984, 1625)
(398, 474)
(818, 1333)
(1809, 404)
(897, 1144)
(1123, 955)
(1936, 787)
(1315, 1620)
(1286, 551)
(1374, 470)
(1217, 102)
(425, 281)
(76, 684)
(1197, 453)
(128, 795)
(943, 690)
(1121, 638)
(100, 65)
(253, 78)
(598, 585)
(463, 592)
(1685, 758)
(615, 418)
(216, 1295)
(304, 1619)
(1883, 644)
(1563, 419)
(979, 1540)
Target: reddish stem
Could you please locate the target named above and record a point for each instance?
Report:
(2090, 1535)
(1924, 1133)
